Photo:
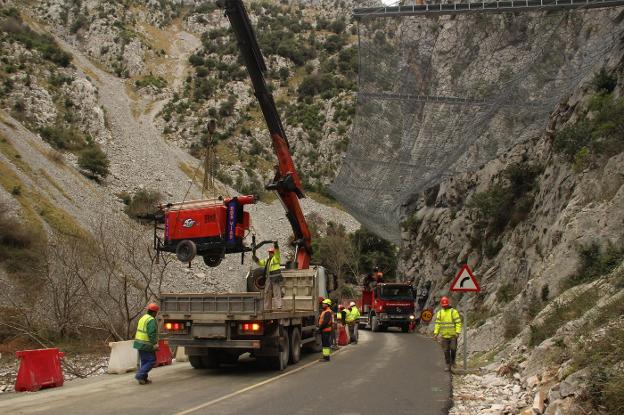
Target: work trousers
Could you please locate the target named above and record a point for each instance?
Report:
(148, 360)
(449, 345)
(326, 341)
(353, 333)
(273, 294)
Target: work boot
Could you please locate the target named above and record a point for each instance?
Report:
(147, 381)
(142, 381)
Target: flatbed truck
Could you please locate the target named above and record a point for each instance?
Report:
(216, 329)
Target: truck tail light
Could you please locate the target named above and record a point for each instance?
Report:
(250, 328)
(175, 326)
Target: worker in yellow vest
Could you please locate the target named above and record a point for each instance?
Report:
(353, 321)
(273, 278)
(448, 325)
(146, 341)
(325, 327)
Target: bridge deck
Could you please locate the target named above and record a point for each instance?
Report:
(482, 7)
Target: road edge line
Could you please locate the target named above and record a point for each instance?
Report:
(250, 387)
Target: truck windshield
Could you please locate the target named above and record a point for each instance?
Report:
(396, 293)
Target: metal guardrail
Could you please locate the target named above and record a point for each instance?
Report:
(482, 7)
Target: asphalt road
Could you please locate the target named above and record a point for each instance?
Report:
(386, 373)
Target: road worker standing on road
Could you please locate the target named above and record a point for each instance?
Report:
(448, 325)
(353, 321)
(273, 278)
(325, 327)
(146, 341)
(341, 316)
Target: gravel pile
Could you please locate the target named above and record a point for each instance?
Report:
(488, 393)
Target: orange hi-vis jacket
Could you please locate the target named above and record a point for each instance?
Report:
(325, 320)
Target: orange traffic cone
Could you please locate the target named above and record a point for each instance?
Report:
(343, 338)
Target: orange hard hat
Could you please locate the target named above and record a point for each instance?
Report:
(444, 302)
(153, 307)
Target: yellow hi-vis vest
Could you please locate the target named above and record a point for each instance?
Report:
(353, 316)
(141, 333)
(447, 323)
(274, 265)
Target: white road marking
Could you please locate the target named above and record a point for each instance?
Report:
(251, 387)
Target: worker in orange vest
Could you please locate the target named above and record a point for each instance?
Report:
(325, 327)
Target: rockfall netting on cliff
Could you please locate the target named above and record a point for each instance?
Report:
(443, 94)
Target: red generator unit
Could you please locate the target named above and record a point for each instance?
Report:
(210, 228)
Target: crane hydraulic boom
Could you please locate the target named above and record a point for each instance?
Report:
(286, 181)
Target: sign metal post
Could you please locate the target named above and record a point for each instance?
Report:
(465, 281)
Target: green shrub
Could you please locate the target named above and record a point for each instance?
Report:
(143, 203)
(80, 23)
(595, 263)
(411, 223)
(334, 43)
(571, 139)
(42, 43)
(63, 138)
(21, 248)
(93, 160)
(604, 82)
(196, 60)
(591, 139)
(511, 325)
(493, 207)
(602, 355)
(492, 247)
(151, 80)
(506, 292)
(502, 204)
(226, 108)
(561, 314)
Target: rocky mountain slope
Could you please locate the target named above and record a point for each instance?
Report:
(84, 84)
(542, 226)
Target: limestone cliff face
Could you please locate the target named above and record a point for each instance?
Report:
(542, 226)
(439, 96)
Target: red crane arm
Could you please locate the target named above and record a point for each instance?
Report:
(286, 181)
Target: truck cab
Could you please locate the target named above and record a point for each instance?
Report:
(387, 305)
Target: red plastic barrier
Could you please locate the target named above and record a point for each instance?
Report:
(163, 354)
(39, 369)
(343, 339)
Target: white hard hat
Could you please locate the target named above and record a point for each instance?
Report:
(352, 303)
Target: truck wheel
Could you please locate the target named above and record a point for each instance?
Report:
(280, 361)
(375, 324)
(197, 362)
(211, 360)
(186, 251)
(295, 345)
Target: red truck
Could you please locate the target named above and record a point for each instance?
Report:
(387, 305)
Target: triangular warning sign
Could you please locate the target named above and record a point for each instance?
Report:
(465, 280)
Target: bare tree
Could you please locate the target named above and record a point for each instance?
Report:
(118, 272)
(336, 252)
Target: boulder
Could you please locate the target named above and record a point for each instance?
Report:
(532, 381)
(574, 384)
(538, 402)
